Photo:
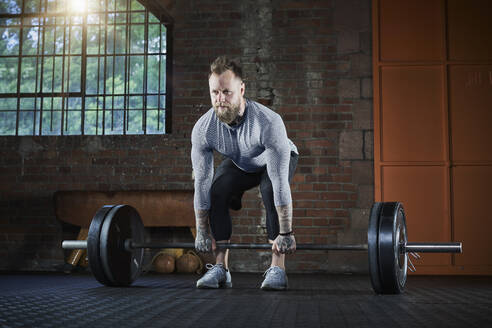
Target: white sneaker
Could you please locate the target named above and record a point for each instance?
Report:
(216, 276)
(275, 279)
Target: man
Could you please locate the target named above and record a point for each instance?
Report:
(257, 151)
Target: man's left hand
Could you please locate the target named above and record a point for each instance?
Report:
(284, 244)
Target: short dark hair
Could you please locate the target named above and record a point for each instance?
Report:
(224, 63)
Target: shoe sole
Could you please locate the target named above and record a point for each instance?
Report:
(223, 285)
(269, 288)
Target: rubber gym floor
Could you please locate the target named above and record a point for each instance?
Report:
(313, 300)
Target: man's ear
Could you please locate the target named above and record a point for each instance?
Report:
(243, 87)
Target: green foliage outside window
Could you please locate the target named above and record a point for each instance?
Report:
(95, 69)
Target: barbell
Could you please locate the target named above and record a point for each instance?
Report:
(115, 246)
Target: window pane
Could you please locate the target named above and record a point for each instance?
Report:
(154, 38)
(162, 102)
(136, 74)
(138, 17)
(49, 40)
(76, 20)
(152, 102)
(9, 21)
(7, 123)
(111, 5)
(74, 122)
(93, 115)
(155, 121)
(119, 102)
(117, 18)
(26, 123)
(47, 74)
(28, 75)
(93, 19)
(32, 21)
(121, 5)
(135, 118)
(95, 40)
(163, 73)
(95, 5)
(109, 74)
(8, 104)
(9, 41)
(48, 104)
(120, 45)
(119, 75)
(92, 122)
(135, 5)
(51, 122)
(60, 40)
(163, 39)
(136, 102)
(74, 103)
(75, 69)
(101, 76)
(55, 6)
(31, 37)
(153, 19)
(8, 75)
(137, 39)
(76, 40)
(153, 74)
(113, 122)
(27, 104)
(110, 40)
(58, 74)
(10, 6)
(91, 75)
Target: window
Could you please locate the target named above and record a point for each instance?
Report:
(82, 67)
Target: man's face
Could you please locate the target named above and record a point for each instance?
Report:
(226, 93)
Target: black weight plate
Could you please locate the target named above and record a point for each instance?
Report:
(402, 239)
(93, 245)
(372, 242)
(392, 261)
(122, 267)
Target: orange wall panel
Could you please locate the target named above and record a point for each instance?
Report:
(410, 30)
(469, 29)
(411, 113)
(423, 191)
(470, 103)
(473, 223)
(432, 124)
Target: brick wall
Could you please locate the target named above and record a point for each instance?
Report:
(310, 61)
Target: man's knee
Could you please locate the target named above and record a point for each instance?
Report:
(221, 188)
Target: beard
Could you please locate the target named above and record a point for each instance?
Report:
(226, 113)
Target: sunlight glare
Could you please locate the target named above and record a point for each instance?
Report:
(78, 6)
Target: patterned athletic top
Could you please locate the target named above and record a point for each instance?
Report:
(258, 140)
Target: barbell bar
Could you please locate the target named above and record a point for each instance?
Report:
(409, 247)
(115, 246)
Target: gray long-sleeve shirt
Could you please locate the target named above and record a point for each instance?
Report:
(259, 140)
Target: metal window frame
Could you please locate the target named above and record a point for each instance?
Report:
(65, 94)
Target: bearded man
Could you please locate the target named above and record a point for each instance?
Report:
(257, 151)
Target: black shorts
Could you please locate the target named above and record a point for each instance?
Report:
(228, 186)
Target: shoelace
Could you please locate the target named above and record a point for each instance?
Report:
(274, 269)
(211, 267)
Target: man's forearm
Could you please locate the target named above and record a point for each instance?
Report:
(201, 218)
(285, 218)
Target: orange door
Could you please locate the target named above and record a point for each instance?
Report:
(432, 64)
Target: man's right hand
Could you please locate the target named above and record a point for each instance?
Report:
(203, 241)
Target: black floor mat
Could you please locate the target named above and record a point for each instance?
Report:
(55, 300)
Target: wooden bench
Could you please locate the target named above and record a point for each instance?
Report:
(157, 208)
